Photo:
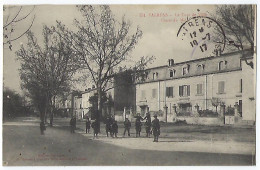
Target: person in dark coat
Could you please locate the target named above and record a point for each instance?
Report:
(94, 125)
(148, 124)
(114, 129)
(73, 124)
(108, 126)
(88, 123)
(138, 127)
(156, 128)
(127, 125)
(139, 118)
(42, 128)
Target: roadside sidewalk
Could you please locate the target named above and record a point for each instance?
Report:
(175, 144)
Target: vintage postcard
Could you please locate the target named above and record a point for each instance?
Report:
(129, 85)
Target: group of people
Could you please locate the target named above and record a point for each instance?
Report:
(111, 127)
(151, 127)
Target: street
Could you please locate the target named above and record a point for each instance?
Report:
(23, 145)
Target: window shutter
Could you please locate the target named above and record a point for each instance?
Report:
(154, 91)
(199, 88)
(188, 90)
(180, 90)
(241, 87)
(171, 91)
(143, 94)
(221, 87)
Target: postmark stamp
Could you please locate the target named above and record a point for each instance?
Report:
(203, 35)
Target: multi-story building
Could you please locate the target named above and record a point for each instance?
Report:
(218, 85)
(86, 105)
(78, 111)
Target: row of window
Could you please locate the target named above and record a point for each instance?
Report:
(200, 67)
(184, 90)
(222, 65)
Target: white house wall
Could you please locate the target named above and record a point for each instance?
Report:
(249, 97)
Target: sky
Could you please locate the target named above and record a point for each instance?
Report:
(159, 24)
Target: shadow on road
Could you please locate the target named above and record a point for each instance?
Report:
(174, 141)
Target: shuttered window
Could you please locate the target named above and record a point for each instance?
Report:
(143, 94)
(221, 87)
(169, 91)
(184, 90)
(154, 93)
(240, 86)
(180, 90)
(199, 88)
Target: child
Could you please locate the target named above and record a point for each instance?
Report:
(114, 129)
(147, 128)
(127, 125)
(138, 125)
(94, 125)
(88, 123)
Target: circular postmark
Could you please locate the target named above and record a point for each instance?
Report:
(203, 35)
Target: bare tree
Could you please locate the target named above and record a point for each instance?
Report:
(11, 22)
(46, 71)
(103, 44)
(238, 22)
(215, 102)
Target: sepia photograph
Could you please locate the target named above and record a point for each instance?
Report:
(129, 85)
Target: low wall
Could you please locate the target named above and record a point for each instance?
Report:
(202, 120)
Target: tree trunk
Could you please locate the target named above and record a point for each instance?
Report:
(51, 116)
(99, 114)
(45, 115)
(52, 104)
(42, 116)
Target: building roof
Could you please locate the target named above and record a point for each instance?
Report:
(202, 59)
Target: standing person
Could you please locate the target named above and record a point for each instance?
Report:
(156, 128)
(127, 125)
(88, 123)
(73, 124)
(94, 125)
(114, 128)
(148, 124)
(138, 127)
(42, 128)
(108, 126)
(139, 117)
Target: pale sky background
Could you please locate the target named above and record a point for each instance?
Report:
(159, 37)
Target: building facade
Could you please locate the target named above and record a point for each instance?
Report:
(214, 86)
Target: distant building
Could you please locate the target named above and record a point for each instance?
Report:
(86, 105)
(120, 98)
(216, 85)
(78, 110)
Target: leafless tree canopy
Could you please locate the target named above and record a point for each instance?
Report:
(102, 42)
(238, 22)
(11, 22)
